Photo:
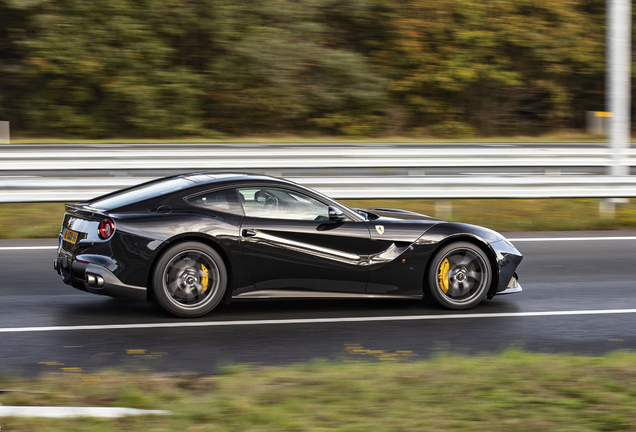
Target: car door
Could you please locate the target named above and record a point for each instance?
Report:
(289, 243)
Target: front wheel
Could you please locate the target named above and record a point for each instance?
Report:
(459, 276)
(189, 280)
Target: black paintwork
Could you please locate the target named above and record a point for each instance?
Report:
(349, 255)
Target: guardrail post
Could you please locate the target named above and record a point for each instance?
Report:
(4, 132)
(607, 207)
(443, 209)
(596, 122)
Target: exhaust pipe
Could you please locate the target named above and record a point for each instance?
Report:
(94, 281)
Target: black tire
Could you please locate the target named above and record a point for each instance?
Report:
(189, 280)
(459, 276)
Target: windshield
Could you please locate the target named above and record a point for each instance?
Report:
(140, 193)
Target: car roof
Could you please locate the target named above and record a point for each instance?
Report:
(177, 184)
(207, 177)
(196, 182)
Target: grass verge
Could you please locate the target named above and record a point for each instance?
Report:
(510, 391)
(30, 220)
(42, 220)
(518, 214)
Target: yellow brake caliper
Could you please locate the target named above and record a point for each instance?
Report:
(443, 275)
(204, 278)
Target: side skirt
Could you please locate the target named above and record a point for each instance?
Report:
(268, 294)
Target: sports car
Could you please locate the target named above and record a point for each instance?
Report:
(190, 241)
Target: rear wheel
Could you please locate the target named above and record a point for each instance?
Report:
(459, 276)
(189, 280)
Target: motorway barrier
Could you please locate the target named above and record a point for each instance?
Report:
(42, 189)
(336, 157)
(68, 174)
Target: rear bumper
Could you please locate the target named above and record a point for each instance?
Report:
(96, 279)
(100, 280)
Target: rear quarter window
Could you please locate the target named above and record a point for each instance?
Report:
(222, 201)
(141, 193)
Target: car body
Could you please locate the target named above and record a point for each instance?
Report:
(191, 241)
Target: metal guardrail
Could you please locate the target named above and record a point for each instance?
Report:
(64, 189)
(15, 186)
(118, 159)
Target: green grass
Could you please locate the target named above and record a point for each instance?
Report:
(518, 214)
(43, 220)
(557, 137)
(30, 220)
(510, 391)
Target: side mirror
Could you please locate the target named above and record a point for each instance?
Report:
(335, 214)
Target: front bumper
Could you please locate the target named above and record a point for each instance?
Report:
(508, 259)
(513, 287)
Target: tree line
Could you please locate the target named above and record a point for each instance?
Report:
(167, 68)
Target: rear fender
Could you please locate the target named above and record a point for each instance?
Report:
(232, 258)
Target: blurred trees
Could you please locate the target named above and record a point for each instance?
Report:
(13, 27)
(494, 66)
(355, 67)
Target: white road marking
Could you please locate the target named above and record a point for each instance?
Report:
(314, 320)
(546, 239)
(8, 248)
(66, 412)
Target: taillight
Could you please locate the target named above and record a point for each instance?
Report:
(106, 229)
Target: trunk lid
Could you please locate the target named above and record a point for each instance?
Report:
(79, 224)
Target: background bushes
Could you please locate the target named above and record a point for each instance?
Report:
(164, 68)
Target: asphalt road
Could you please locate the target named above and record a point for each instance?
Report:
(579, 297)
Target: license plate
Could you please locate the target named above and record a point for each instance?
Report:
(70, 236)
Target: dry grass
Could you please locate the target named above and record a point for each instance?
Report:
(510, 391)
(518, 214)
(42, 220)
(30, 220)
(555, 137)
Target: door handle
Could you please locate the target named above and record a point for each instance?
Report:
(249, 233)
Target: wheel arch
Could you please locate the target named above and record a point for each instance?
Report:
(196, 237)
(477, 241)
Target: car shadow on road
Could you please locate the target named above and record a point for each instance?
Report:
(117, 311)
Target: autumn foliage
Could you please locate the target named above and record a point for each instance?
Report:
(166, 68)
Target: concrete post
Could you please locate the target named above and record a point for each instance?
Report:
(4, 132)
(618, 91)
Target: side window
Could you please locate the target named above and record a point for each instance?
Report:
(223, 201)
(275, 203)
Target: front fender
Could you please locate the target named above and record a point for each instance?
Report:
(504, 257)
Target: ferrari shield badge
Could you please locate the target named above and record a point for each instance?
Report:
(379, 229)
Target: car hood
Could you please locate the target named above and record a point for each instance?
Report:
(384, 213)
